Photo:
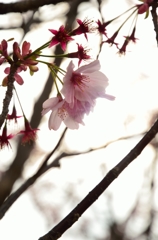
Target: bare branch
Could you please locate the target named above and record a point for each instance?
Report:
(77, 212)
(27, 5)
(155, 18)
(14, 196)
(8, 95)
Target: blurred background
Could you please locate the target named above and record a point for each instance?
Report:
(128, 208)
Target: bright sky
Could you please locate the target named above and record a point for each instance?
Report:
(133, 80)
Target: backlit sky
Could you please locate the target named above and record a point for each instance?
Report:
(133, 80)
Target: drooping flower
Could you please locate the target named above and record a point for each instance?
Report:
(13, 115)
(132, 36)
(4, 138)
(102, 27)
(85, 84)
(61, 36)
(84, 28)
(122, 50)
(111, 40)
(62, 111)
(81, 54)
(29, 134)
(129, 38)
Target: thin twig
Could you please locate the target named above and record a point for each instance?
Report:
(14, 196)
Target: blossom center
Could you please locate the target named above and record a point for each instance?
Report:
(62, 113)
(80, 80)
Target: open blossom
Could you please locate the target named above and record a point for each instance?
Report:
(85, 84)
(102, 27)
(13, 115)
(111, 40)
(84, 28)
(62, 111)
(61, 36)
(81, 54)
(29, 134)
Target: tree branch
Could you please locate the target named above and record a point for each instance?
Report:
(8, 95)
(14, 196)
(154, 16)
(27, 5)
(77, 212)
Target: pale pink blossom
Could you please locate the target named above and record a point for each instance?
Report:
(62, 111)
(85, 84)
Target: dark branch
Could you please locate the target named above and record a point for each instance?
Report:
(8, 95)
(77, 212)
(14, 196)
(25, 6)
(155, 18)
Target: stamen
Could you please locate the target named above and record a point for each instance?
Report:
(80, 80)
(62, 113)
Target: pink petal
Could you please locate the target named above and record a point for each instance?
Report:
(109, 97)
(71, 123)
(63, 45)
(18, 79)
(89, 68)
(53, 31)
(25, 48)
(7, 70)
(51, 102)
(53, 42)
(54, 120)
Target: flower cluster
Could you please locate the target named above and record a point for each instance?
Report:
(22, 58)
(80, 89)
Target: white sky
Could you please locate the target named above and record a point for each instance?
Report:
(133, 80)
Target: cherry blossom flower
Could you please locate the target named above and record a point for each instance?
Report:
(13, 115)
(4, 137)
(84, 28)
(62, 111)
(29, 134)
(122, 50)
(61, 36)
(85, 84)
(102, 27)
(112, 39)
(81, 54)
(132, 36)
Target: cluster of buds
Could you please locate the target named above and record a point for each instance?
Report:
(80, 87)
(23, 59)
